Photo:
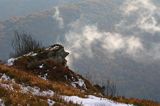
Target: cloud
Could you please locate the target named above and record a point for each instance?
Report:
(114, 42)
(57, 17)
(144, 12)
(149, 24)
(84, 42)
(134, 45)
(135, 5)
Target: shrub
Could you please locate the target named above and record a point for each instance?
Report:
(23, 43)
(110, 89)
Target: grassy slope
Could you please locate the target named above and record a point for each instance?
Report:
(13, 97)
(16, 97)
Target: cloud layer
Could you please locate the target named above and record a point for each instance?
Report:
(58, 18)
(81, 43)
(145, 12)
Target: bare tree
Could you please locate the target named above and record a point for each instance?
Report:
(110, 89)
(23, 43)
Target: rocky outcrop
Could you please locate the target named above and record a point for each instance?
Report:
(57, 53)
(50, 64)
(54, 53)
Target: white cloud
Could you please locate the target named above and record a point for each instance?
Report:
(149, 24)
(133, 45)
(82, 43)
(144, 11)
(57, 17)
(135, 5)
(115, 42)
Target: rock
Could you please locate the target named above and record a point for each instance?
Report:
(57, 53)
(50, 64)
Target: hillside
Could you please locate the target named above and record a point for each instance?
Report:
(42, 78)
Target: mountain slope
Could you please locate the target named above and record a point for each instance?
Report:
(21, 85)
(24, 84)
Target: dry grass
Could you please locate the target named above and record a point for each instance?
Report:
(32, 80)
(136, 102)
(61, 88)
(16, 97)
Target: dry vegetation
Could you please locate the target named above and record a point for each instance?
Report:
(12, 97)
(61, 88)
(136, 102)
(22, 99)
(32, 80)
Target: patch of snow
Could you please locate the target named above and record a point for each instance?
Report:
(41, 66)
(24, 89)
(2, 102)
(10, 61)
(56, 47)
(52, 48)
(36, 91)
(47, 48)
(44, 76)
(50, 102)
(80, 83)
(30, 54)
(93, 101)
(74, 85)
(4, 77)
(7, 86)
(34, 54)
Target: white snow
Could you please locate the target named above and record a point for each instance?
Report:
(80, 83)
(30, 54)
(50, 102)
(36, 91)
(10, 61)
(41, 66)
(92, 101)
(44, 76)
(2, 102)
(73, 84)
(52, 48)
(56, 47)
(9, 85)
(34, 54)
(5, 77)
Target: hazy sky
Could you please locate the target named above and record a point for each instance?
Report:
(9, 8)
